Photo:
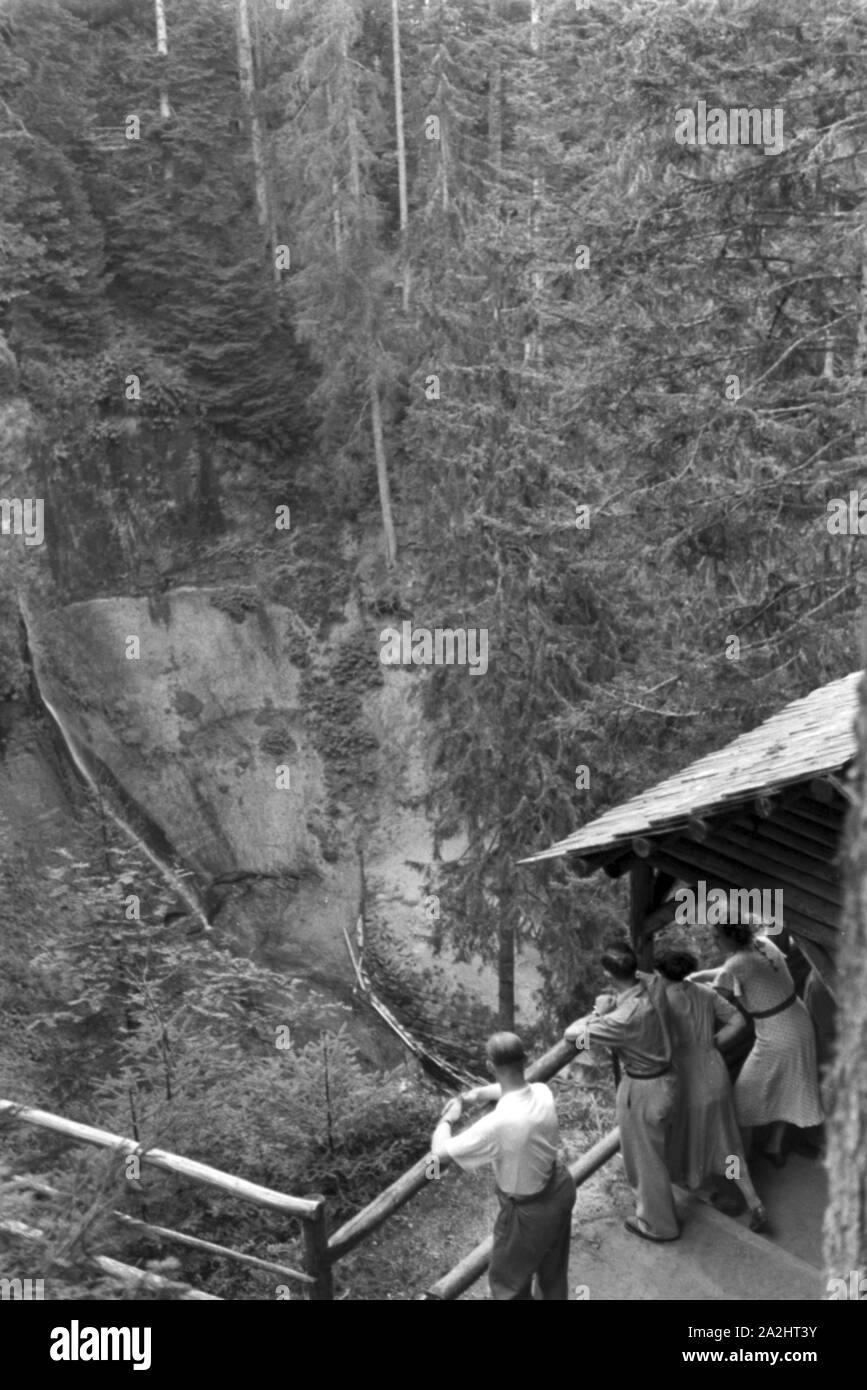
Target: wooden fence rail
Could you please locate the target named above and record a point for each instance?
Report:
(311, 1210)
(196, 1243)
(320, 1252)
(122, 1273)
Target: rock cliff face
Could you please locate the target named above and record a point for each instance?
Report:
(188, 713)
(197, 715)
(261, 760)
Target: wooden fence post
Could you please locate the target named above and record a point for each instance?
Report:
(317, 1256)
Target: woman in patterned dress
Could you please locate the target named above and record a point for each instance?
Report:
(778, 1083)
(704, 1136)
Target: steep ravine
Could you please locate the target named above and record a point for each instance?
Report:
(260, 764)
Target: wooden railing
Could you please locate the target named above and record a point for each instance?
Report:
(473, 1265)
(321, 1253)
(317, 1275)
(404, 1188)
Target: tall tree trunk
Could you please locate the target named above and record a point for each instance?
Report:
(165, 108)
(495, 147)
(163, 52)
(846, 1161)
(506, 938)
(382, 475)
(338, 229)
(337, 221)
(860, 362)
(846, 1216)
(533, 352)
(248, 93)
(444, 147)
(438, 164)
(495, 97)
(375, 403)
(401, 152)
(351, 125)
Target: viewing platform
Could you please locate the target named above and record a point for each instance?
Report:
(716, 1258)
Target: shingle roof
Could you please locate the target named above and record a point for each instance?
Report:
(808, 738)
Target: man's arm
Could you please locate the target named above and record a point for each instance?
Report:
(482, 1095)
(612, 1030)
(439, 1144)
(473, 1147)
(578, 1031)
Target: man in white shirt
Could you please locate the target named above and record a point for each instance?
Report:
(536, 1192)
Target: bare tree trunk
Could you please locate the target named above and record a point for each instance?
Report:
(248, 92)
(828, 360)
(533, 352)
(506, 936)
(860, 363)
(165, 108)
(495, 148)
(495, 98)
(846, 1216)
(351, 126)
(382, 475)
(846, 1161)
(338, 229)
(401, 153)
(337, 220)
(163, 51)
(375, 403)
(444, 150)
(438, 162)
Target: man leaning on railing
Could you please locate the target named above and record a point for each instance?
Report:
(520, 1139)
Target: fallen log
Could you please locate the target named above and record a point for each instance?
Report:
(128, 1275)
(433, 1062)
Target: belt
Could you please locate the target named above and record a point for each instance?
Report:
(777, 1009)
(649, 1075)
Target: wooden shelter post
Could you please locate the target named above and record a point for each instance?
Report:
(317, 1255)
(641, 885)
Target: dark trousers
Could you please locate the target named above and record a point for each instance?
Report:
(531, 1236)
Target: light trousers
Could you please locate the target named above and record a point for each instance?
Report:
(645, 1111)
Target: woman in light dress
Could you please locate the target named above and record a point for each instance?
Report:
(778, 1083)
(705, 1138)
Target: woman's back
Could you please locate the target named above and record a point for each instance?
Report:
(704, 1134)
(758, 976)
(696, 1011)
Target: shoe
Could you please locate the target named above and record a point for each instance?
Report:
(776, 1158)
(758, 1219)
(637, 1230)
(730, 1204)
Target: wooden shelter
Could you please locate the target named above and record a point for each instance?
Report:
(765, 812)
